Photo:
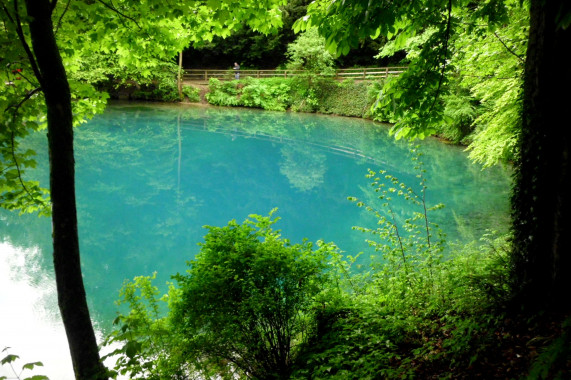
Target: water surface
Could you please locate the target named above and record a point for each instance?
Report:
(149, 177)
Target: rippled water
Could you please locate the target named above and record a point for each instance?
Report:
(150, 176)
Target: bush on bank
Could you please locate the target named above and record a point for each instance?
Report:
(308, 93)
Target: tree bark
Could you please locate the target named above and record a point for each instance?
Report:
(71, 292)
(542, 188)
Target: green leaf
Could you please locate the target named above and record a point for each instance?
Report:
(32, 365)
(132, 348)
(9, 359)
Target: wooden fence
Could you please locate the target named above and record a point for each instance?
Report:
(200, 75)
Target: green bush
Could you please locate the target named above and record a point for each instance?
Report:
(191, 93)
(307, 93)
(223, 93)
(414, 307)
(325, 95)
(271, 94)
(348, 98)
(247, 299)
(164, 90)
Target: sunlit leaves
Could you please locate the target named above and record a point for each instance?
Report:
(470, 47)
(308, 52)
(100, 41)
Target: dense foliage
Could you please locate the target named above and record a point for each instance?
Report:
(465, 70)
(412, 310)
(304, 93)
(243, 307)
(253, 306)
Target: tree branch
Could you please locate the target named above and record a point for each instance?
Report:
(446, 39)
(26, 98)
(119, 13)
(13, 151)
(25, 45)
(510, 50)
(62, 15)
(12, 136)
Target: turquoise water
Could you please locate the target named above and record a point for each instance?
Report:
(149, 177)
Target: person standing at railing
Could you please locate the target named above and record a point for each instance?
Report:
(236, 70)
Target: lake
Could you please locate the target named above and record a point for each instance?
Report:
(149, 177)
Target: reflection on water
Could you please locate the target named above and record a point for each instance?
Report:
(149, 178)
(29, 319)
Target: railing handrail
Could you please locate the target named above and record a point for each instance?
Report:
(356, 73)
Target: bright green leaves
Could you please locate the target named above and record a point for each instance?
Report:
(20, 113)
(453, 48)
(247, 297)
(308, 53)
(490, 65)
(141, 338)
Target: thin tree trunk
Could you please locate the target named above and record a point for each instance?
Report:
(179, 77)
(541, 197)
(71, 293)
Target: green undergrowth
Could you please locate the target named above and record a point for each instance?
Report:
(309, 93)
(253, 305)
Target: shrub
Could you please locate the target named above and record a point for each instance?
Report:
(348, 98)
(308, 52)
(247, 299)
(271, 94)
(223, 93)
(191, 93)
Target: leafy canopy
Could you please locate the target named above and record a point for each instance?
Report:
(454, 48)
(98, 40)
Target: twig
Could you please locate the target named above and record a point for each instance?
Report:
(119, 13)
(509, 50)
(12, 137)
(25, 45)
(62, 15)
(26, 98)
(446, 39)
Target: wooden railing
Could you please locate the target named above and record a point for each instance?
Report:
(201, 75)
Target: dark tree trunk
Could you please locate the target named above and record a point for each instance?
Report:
(71, 293)
(541, 197)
